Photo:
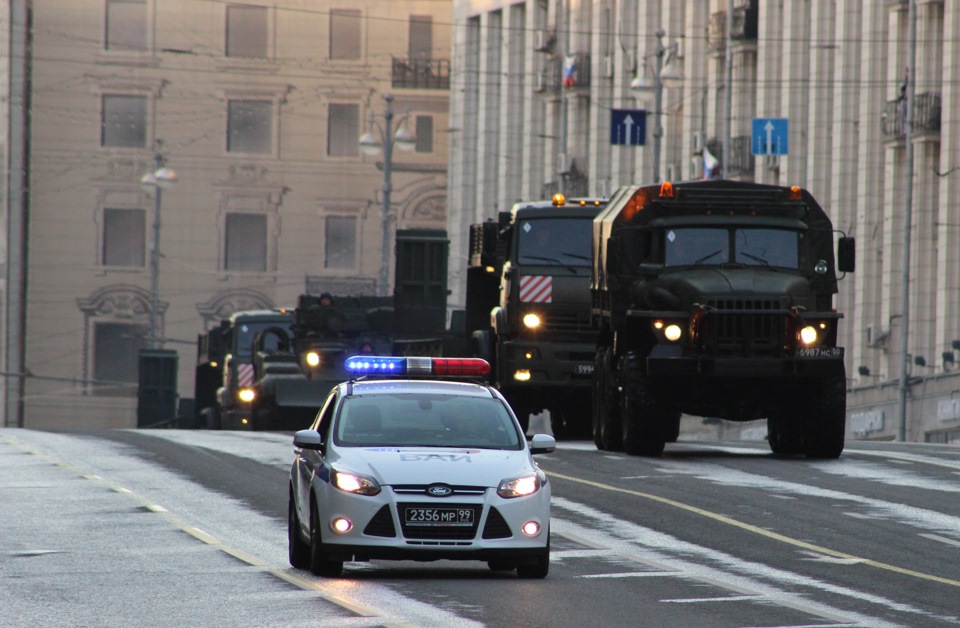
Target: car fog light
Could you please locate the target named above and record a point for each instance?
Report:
(342, 524)
(531, 528)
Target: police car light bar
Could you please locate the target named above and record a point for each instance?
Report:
(387, 365)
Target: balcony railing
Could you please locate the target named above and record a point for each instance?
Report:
(926, 116)
(746, 19)
(741, 155)
(421, 73)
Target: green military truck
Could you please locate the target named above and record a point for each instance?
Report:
(528, 308)
(715, 299)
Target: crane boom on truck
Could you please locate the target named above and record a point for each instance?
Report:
(715, 298)
(528, 307)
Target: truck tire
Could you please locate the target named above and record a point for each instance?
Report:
(672, 431)
(607, 432)
(785, 431)
(825, 425)
(644, 416)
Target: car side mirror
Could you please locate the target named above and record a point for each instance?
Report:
(308, 439)
(543, 444)
(846, 255)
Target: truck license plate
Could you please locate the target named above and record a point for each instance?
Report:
(430, 517)
(820, 352)
(583, 369)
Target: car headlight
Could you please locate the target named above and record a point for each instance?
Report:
(519, 487)
(531, 320)
(355, 483)
(808, 335)
(246, 395)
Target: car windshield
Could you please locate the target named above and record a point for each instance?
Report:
(752, 247)
(555, 241)
(425, 420)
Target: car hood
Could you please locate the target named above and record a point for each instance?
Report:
(427, 465)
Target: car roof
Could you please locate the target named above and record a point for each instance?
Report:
(422, 386)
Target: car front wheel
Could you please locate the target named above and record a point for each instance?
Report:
(299, 550)
(540, 568)
(320, 564)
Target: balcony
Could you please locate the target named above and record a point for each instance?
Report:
(421, 73)
(547, 80)
(746, 18)
(926, 116)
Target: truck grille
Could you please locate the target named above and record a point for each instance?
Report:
(744, 327)
(566, 323)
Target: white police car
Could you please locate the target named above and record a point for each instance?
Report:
(409, 464)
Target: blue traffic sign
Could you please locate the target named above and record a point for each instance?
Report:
(628, 127)
(770, 136)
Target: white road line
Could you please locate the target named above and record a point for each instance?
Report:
(638, 574)
(858, 515)
(732, 598)
(942, 539)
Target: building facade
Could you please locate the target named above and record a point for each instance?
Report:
(258, 107)
(535, 83)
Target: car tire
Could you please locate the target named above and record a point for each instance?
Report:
(539, 569)
(298, 549)
(320, 564)
(643, 414)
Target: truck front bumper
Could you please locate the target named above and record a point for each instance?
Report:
(745, 367)
(545, 364)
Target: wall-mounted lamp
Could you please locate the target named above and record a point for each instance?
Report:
(863, 370)
(955, 345)
(919, 360)
(947, 358)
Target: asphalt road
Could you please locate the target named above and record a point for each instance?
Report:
(165, 527)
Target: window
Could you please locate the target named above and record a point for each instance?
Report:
(124, 237)
(343, 130)
(250, 126)
(126, 25)
(116, 347)
(247, 31)
(555, 242)
(123, 121)
(424, 134)
(344, 34)
(341, 242)
(246, 242)
(420, 45)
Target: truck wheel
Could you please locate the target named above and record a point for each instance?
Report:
(606, 406)
(644, 417)
(672, 432)
(785, 432)
(825, 427)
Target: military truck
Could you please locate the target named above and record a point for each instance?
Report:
(715, 299)
(528, 308)
(225, 365)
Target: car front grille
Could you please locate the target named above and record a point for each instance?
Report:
(496, 526)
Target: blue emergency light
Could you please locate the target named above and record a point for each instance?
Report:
(388, 365)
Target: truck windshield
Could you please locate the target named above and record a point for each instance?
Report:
(696, 246)
(555, 241)
(244, 333)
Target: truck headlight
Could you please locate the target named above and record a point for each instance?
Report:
(672, 332)
(808, 335)
(313, 359)
(531, 320)
(246, 395)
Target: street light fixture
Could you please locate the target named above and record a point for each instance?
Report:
(667, 73)
(161, 178)
(371, 145)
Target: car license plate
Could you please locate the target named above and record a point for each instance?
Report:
(820, 352)
(583, 369)
(438, 517)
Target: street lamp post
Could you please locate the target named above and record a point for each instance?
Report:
(665, 71)
(159, 179)
(371, 146)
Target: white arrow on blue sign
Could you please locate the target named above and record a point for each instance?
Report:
(770, 136)
(628, 127)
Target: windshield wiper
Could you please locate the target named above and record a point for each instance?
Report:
(756, 258)
(576, 256)
(706, 257)
(552, 260)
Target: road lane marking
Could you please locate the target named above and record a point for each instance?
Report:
(942, 539)
(638, 574)
(859, 515)
(731, 598)
(756, 529)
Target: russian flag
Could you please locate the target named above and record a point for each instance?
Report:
(569, 67)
